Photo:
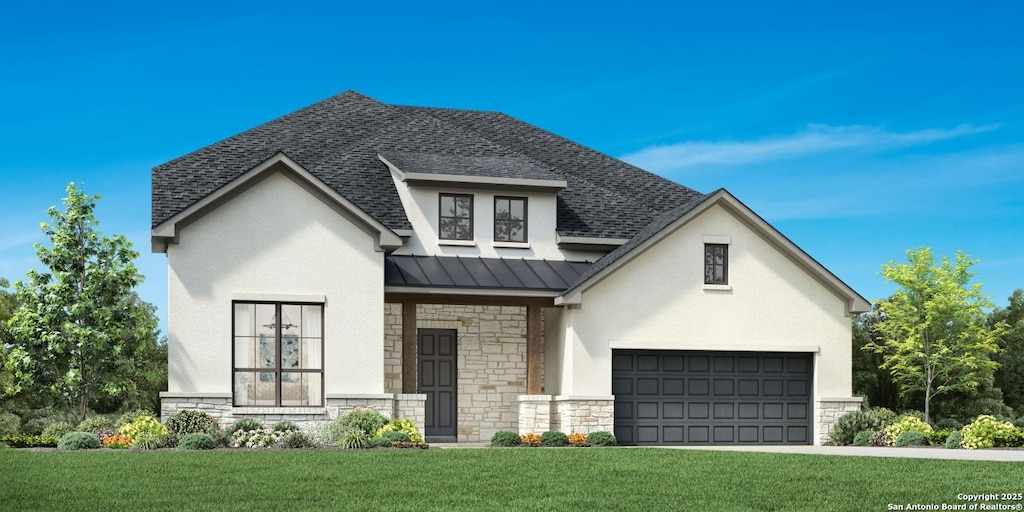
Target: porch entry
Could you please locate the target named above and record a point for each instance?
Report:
(437, 380)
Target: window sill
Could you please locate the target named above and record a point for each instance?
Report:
(244, 410)
(718, 287)
(512, 245)
(457, 243)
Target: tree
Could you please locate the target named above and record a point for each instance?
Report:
(79, 327)
(934, 336)
(870, 381)
(8, 303)
(1010, 375)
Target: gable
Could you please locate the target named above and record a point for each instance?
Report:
(669, 224)
(168, 231)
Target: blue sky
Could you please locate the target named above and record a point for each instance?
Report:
(857, 130)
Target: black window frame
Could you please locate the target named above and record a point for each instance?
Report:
(526, 216)
(277, 370)
(710, 265)
(441, 216)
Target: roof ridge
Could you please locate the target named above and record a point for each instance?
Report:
(254, 129)
(530, 158)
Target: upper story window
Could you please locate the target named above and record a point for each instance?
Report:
(456, 217)
(509, 219)
(278, 354)
(716, 264)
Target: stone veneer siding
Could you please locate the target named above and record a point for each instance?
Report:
(491, 361)
(829, 410)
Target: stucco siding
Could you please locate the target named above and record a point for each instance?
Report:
(659, 300)
(274, 239)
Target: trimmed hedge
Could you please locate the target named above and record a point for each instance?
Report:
(79, 441)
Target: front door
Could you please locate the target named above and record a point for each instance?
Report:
(437, 372)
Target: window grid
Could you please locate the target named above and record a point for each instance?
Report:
(455, 216)
(716, 264)
(510, 219)
(277, 371)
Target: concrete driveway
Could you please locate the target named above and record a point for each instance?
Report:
(1016, 455)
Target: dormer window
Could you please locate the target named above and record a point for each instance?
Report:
(456, 217)
(509, 219)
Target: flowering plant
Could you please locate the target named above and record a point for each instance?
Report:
(258, 438)
(530, 439)
(578, 440)
(116, 441)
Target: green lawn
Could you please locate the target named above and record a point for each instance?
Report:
(485, 479)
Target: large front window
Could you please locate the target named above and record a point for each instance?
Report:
(278, 354)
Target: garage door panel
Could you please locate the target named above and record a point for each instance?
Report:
(683, 397)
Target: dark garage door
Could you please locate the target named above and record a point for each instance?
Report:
(684, 397)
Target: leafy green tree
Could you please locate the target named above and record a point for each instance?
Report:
(870, 381)
(79, 327)
(8, 303)
(1010, 375)
(934, 334)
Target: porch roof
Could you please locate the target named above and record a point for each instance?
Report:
(481, 273)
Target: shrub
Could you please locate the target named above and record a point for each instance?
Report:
(355, 439)
(955, 440)
(131, 416)
(396, 436)
(35, 421)
(402, 425)
(982, 432)
(247, 424)
(95, 424)
(116, 441)
(937, 437)
(880, 438)
(910, 438)
(10, 423)
(196, 441)
(862, 438)
(58, 429)
(908, 422)
(282, 426)
(948, 424)
(885, 416)
(78, 441)
(146, 433)
(29, 441)
(1010, 438)
(366, 419)
(295, 439)
(381, 442)
(849, 424)
(190, 421)
(579, 440)
(256, 438)
(601, 438)
(337, 429)
(319, 433)
(506, 439)
(554, 438)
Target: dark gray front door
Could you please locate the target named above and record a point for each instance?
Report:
(437, 372)
(688, 397)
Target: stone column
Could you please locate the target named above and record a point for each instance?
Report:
(534, 414)
(829, 410)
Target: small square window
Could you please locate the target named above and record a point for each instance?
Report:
(716, 264)
(509, 219)
(456, 217)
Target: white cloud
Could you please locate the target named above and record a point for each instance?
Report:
(815, 139)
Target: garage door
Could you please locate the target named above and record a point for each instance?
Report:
(684, 397)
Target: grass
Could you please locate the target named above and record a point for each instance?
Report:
(485, 479)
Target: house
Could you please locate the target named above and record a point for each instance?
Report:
(475, 273)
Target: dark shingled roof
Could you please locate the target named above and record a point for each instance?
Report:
(518, 167)
(338, 140)
(485, 273)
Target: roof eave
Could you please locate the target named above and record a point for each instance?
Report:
(168, 231)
